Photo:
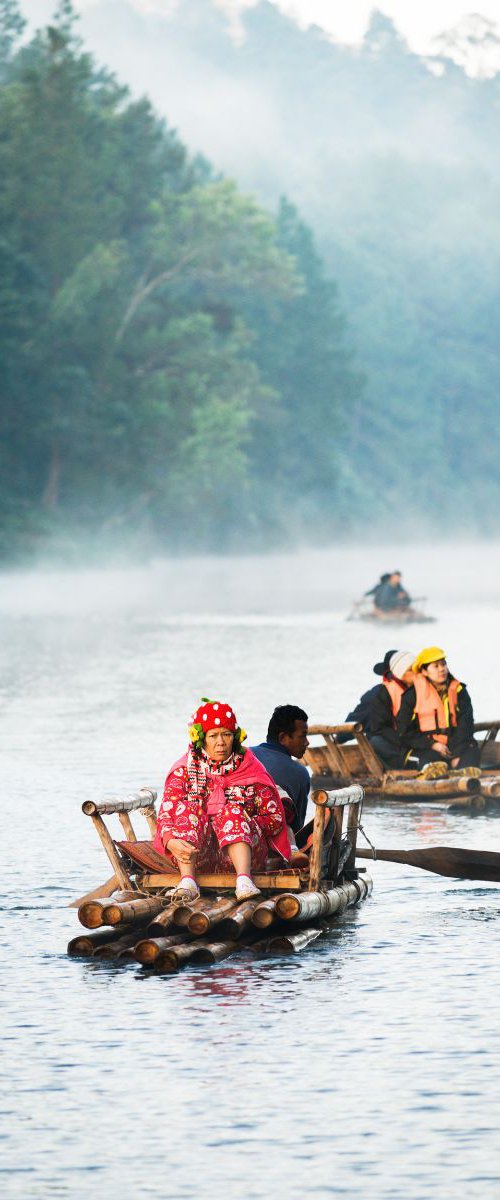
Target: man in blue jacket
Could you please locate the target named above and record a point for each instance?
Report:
(286, 742)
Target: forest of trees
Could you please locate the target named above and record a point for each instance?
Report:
(160, 332)
(278, 324)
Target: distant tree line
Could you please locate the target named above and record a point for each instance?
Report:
(172, 357)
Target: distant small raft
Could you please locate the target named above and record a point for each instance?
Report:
(365, 610)
(338, 764)
(133, 917)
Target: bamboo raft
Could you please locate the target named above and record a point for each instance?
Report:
(337, 764)
(132, 917)
(366, 610)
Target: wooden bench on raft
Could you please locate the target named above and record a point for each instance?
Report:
(336, 763)
(137, 866)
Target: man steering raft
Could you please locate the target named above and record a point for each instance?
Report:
(435, 721)
(220, 811)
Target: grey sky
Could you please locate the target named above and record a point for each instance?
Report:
(420, 22)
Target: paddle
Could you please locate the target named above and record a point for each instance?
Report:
(444, 860)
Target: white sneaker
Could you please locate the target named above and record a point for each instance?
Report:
(186, 891)
(246, 888)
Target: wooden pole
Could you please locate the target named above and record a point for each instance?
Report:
(452, 861)
(370, 758)
(150, 815)
(334, 853)
(234, 925)
(315, 869)
(105, 890)
(205, 918)
(111, 851)
(131, 911)
(353, 813)
(149, 949)
(292, 943)
(215, 951)
(127, 826)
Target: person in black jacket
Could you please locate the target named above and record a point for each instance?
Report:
(377, 709)
(436, 720)
(391, 595)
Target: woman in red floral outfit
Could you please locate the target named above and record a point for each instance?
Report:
(220, 810)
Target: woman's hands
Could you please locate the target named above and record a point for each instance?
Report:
(181, 850)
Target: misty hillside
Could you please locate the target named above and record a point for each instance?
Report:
(393, 160)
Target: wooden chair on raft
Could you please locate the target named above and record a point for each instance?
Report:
(138, 868)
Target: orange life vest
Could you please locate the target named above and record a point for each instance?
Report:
(435, 714)
(396, 691)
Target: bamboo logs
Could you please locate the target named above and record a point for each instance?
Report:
(339, 797)
(90, 912)
(84, 945)
(301, 907)
(144, 798)
(149, 949)
(205, 918)
(184, 911)
(130, 911)
(292, 943)
(426, 788)
(122, 947)
(264, 913)
(163, 920)
(215, 951)
(234, 925)
(490, 787)
(170, 960)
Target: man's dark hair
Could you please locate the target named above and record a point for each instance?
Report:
(283, 720)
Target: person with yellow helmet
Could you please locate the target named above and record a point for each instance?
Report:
(435, 721)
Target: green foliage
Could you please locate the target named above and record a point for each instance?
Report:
(159, 328)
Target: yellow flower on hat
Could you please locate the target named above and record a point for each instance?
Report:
(429, 655)
(241, 734)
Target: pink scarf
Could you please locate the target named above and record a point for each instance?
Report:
(247, 770)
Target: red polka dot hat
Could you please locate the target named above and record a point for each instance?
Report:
(214, 714)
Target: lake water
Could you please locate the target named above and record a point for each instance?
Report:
(369, 1065)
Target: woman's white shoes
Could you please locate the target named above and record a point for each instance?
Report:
(245, 888)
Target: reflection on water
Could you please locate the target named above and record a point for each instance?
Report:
(367, 1066)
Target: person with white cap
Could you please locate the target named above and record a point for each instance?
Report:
(378, 708)
(435, 719)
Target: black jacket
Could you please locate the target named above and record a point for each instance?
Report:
(460, 736)
(374, 712)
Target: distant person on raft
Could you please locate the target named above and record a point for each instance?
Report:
(220, 811)
(390, 595)
(435, 721)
